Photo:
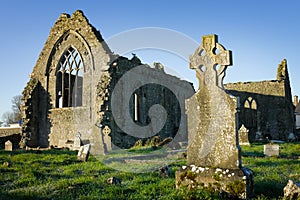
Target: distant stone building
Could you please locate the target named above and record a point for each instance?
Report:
(266, 106)
(71, 85)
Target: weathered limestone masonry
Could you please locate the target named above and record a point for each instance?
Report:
(213, 153)
(70, 90)
(142, 100)
(47, 118)
(266, 106)
(211, 111)
(12, 134)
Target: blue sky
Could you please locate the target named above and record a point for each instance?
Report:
(259, 33)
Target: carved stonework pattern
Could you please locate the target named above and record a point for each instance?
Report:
(106, 130)
(213, 141)
(210, 60)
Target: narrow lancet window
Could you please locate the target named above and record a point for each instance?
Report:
(136, 106)
(250, 112)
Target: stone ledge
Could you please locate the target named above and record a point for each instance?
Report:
(237, 183)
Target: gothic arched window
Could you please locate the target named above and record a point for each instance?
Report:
(250, 108)
(69, 79)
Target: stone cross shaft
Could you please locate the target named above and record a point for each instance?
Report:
(213, 152)
(211, 59)
(211, 111)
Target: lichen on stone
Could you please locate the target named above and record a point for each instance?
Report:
(102, 94)
(281, 70)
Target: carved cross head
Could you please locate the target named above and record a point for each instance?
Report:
(106, 130)
(210, 61)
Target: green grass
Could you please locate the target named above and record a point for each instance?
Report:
(272, 174)
(56, 174)
(287, 150)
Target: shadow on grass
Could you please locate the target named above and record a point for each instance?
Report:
(32, 195)
(45, 152)
(270, 189)
(275, 163)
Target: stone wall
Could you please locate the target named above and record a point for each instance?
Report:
(272, 107)
(148, 95)
(41, 114)
(31, 113)
(7, 131)
(12, 134)
(14, 138)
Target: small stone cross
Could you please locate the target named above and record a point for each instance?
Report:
(106, 130)
(210, 61)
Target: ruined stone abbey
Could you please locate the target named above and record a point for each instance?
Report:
(70, 93)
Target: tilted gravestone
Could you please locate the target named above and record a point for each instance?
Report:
(213, 153)
(8, 146)
(83, 152)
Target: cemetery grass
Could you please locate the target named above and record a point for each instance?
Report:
(272, 173)
(56, 174)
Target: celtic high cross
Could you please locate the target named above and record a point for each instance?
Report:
(210, 61)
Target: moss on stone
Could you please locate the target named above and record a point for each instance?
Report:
(236, 188)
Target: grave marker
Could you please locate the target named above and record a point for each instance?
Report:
(107, 139)
(215, 113)
(8, 146)
(77, 141)
(213, 154)
(243, 135)
(84, 152)
(271, 150)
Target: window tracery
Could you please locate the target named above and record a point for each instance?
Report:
(69, 79)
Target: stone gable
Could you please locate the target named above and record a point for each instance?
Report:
(41, 95)
(266, 106)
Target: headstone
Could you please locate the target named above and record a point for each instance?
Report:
(292, 190)
(8, 146)
(107, 139)
(243, 135)
(291, 137)
(213, 153)
(77, 141)
(258, 136)
(213, 130)
(84, 152)
(271, 149)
